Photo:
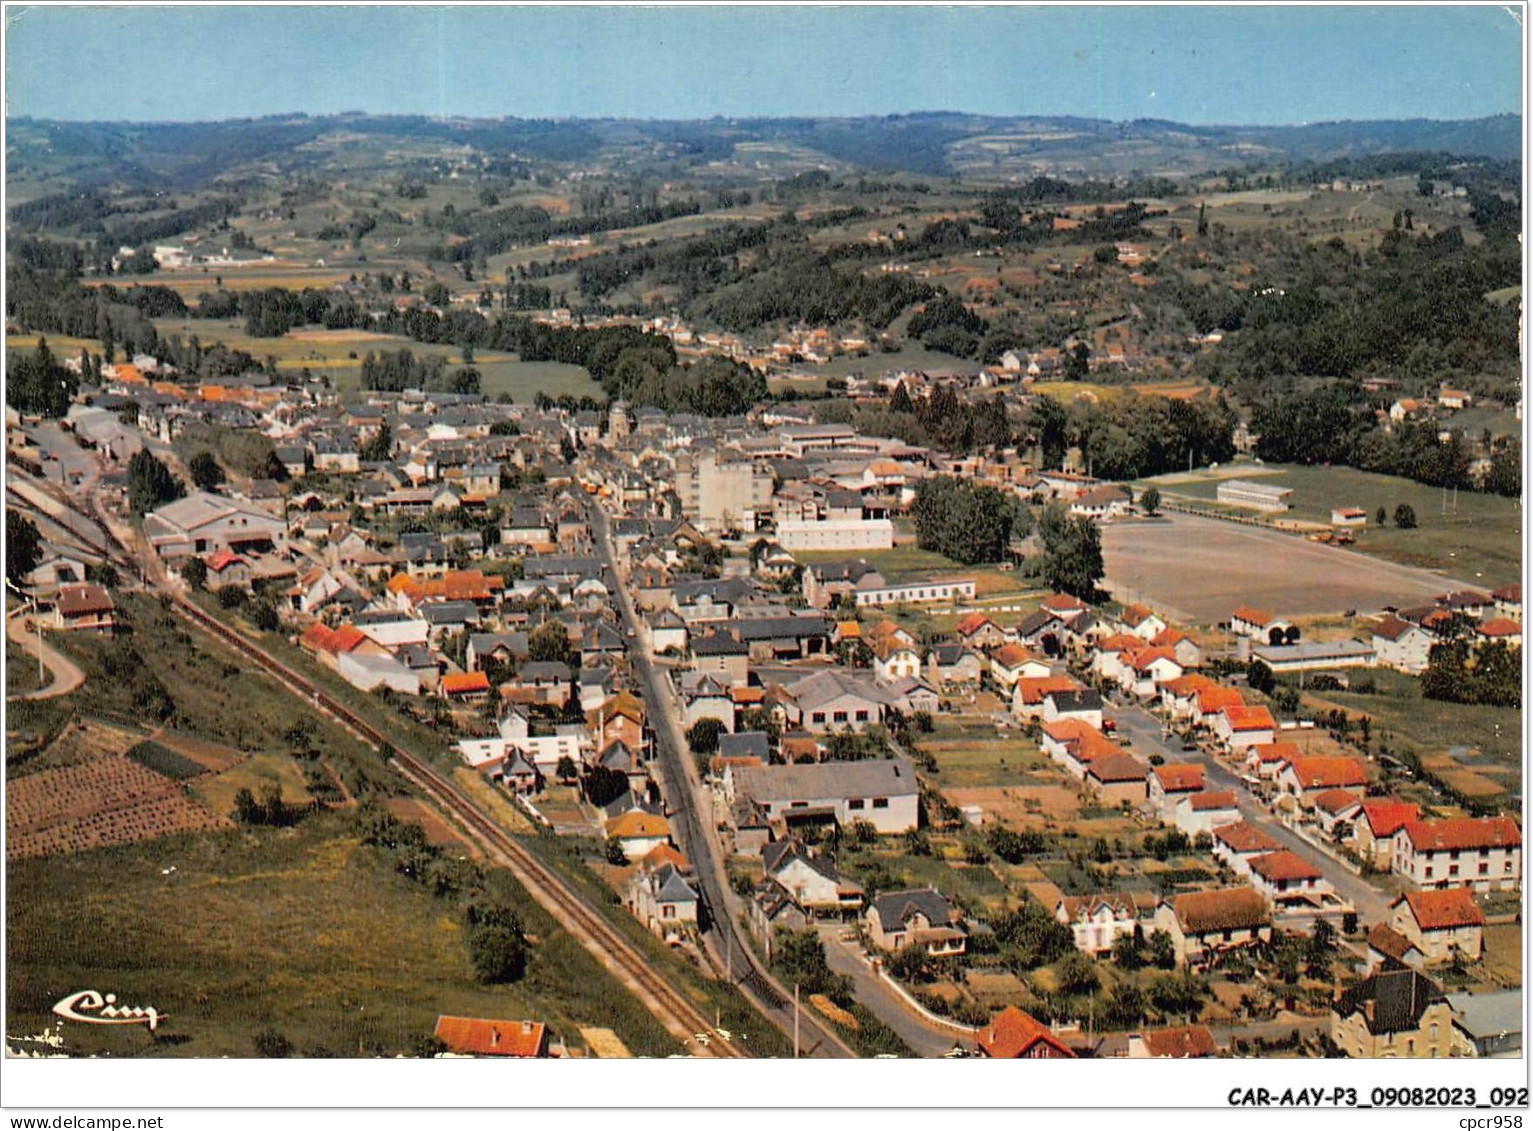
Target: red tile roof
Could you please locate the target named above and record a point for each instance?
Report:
(1258, 617)
(1116, 768)
(969, 625)
(1464, 832)
(1284, 865)
(480, 1037)
(1335, 801)
(1014, 1033)
(1180, 1044)
(1213, 799)
(1445, 909)
(1500, 626)
(1179, 777)
(1226, 909)
(464, 683)
(1329, 772)
(1212, 700)
(83, 600)
(1249, 718)
(1185, 685)
(1037, 688)
(1279, 752)
(1244, 837)
(1385, 817)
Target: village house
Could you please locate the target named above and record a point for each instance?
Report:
(1441, 924)
(1375, 826)
(1238, 843)
(1172, 781)
(885, 794)
(1203, 924)
(1081, 705)
(954, 667)
(662, 897)
(1099, 921)
(1305, 778)
(978, 631)
(923, 917)
(1015, 1035)
(1287, 881)
(84, 608)
(1242, 727)
(1402, 645)
(639, 833)
(1393, 1013)
(811, 880)
(836, 700)
(1206, 811)
(1117, 780)
(1484, 853)
(1012, 662)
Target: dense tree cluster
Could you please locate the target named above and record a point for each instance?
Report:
(36, 384)
(150, 483)
(1132, 436)
(965, 521)
(1072, 553)
(1459, 672)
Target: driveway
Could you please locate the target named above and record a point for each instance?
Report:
(922, 1036)
(1144, 732)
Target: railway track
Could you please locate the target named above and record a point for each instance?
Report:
(572, 912)
(588, 926)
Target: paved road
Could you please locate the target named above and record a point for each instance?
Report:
(66, 674)
(1144, 731)
(922, 1036)
(692, 822)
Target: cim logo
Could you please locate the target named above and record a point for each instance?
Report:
(95, 1009)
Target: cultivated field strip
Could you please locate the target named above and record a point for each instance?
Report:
(587, 925)
(106, 801)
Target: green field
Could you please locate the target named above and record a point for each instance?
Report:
(302, 931)
(974, 754)
(1477, 539)
(338, 355)
(1428, 727)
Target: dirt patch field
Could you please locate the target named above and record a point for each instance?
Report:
(438, 831)
(1199, 569)
(214, 756)
(1020, 807)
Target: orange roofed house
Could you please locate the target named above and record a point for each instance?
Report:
(1441, 923)
(1240, 727)
(473, 1036)
(1484, 853)
(1374, 829)
(1015, 1035)
(1305, 779)
(1204, 923)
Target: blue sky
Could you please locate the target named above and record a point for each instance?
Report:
(1242, 64)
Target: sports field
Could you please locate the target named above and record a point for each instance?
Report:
(1469, 535)
(1199, 569)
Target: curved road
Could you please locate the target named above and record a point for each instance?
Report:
(66, 674)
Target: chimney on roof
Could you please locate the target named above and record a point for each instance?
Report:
(494, 1036)
(527, 1028)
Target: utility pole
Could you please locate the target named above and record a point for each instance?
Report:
(795, 1020)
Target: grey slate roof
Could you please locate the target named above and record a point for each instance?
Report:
(1399, 999)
